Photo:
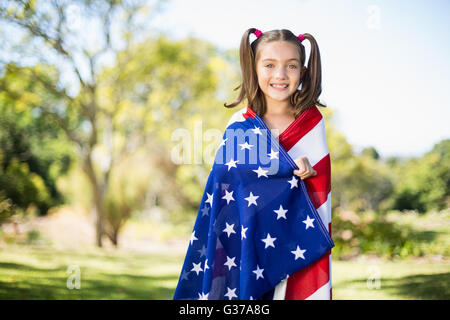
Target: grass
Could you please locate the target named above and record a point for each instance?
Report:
(41, 273)
(32, 272)
(414, 279)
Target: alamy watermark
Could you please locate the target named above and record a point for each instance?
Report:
(74, 279)
(251, 146)
(373, 21)
(374, 279)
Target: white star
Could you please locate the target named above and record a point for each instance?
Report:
(229, 229)
(258, 272)
(184, 275)
(230, 263)
(256, 130)
(299, 253)
(268, 241)
(281, 213)
(197, 267)
(293, 182)
(261, 172)
(228, 196)
(245, 146)
(243, 231)
(273, 154)
(202, 296)
(202, 251)
(223, 142)
(210, 198)
(231, 293)
(205, 211)
(193, 237)
(206, 265)
(231, 164)
(251, 199)
(308, 222)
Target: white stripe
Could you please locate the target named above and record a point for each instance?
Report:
(312, 145)
(237, 116)
(329, 273)
(325, 211)
(280, 290)
(323, 293)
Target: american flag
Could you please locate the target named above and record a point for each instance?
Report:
(257, 226)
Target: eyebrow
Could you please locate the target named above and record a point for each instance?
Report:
(270, 59)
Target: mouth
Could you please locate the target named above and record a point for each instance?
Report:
(279, 86)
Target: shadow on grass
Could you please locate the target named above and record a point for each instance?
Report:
(51, 284)
(423, 286)
(418, 286)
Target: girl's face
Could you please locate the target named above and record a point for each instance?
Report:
(278, 70)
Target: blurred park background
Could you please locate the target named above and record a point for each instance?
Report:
(94, 200)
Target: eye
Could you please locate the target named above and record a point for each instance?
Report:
(270, 64)
(293, 65)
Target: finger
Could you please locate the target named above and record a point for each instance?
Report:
(298, 173)
(308, 174)
(300, 164)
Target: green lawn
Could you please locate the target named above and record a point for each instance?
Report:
(41, 273)
(396, 280)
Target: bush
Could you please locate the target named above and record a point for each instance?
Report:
(388, 236)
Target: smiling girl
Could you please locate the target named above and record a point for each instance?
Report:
(279, 88)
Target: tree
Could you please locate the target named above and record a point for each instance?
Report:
(50, 35)
(423, 184)
(33, 151)
(370, 152)
(149, 89)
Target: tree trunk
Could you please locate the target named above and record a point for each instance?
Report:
(97, 200)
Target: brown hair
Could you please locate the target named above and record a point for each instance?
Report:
(311, 80)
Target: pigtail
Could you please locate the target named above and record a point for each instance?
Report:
(249, 85)
(311, 80)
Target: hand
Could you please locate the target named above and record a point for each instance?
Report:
(305, 169)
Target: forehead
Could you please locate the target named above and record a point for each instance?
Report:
(278, 50)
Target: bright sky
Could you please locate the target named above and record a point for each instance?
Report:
(385, 63)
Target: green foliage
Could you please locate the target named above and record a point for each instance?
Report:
(33, 153)
(360, 183)
(370, 152)
(424, 184)
(394, 235)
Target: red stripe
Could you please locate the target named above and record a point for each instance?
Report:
(249, 113)
(319, 186)
(306, 281)
(308, 119)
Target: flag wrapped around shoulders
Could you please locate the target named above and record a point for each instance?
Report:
(256, 224)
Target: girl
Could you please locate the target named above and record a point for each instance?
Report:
(257, 234)
(284, 93)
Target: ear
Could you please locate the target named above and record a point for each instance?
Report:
(303, 72)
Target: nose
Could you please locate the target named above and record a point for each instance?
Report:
(280, 73)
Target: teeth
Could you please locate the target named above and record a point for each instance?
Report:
(278, 86)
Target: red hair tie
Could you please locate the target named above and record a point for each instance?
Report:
(257, 33)
(301, 37)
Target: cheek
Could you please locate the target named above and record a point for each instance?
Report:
(263, 76)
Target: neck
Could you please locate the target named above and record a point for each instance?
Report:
(278, 108)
